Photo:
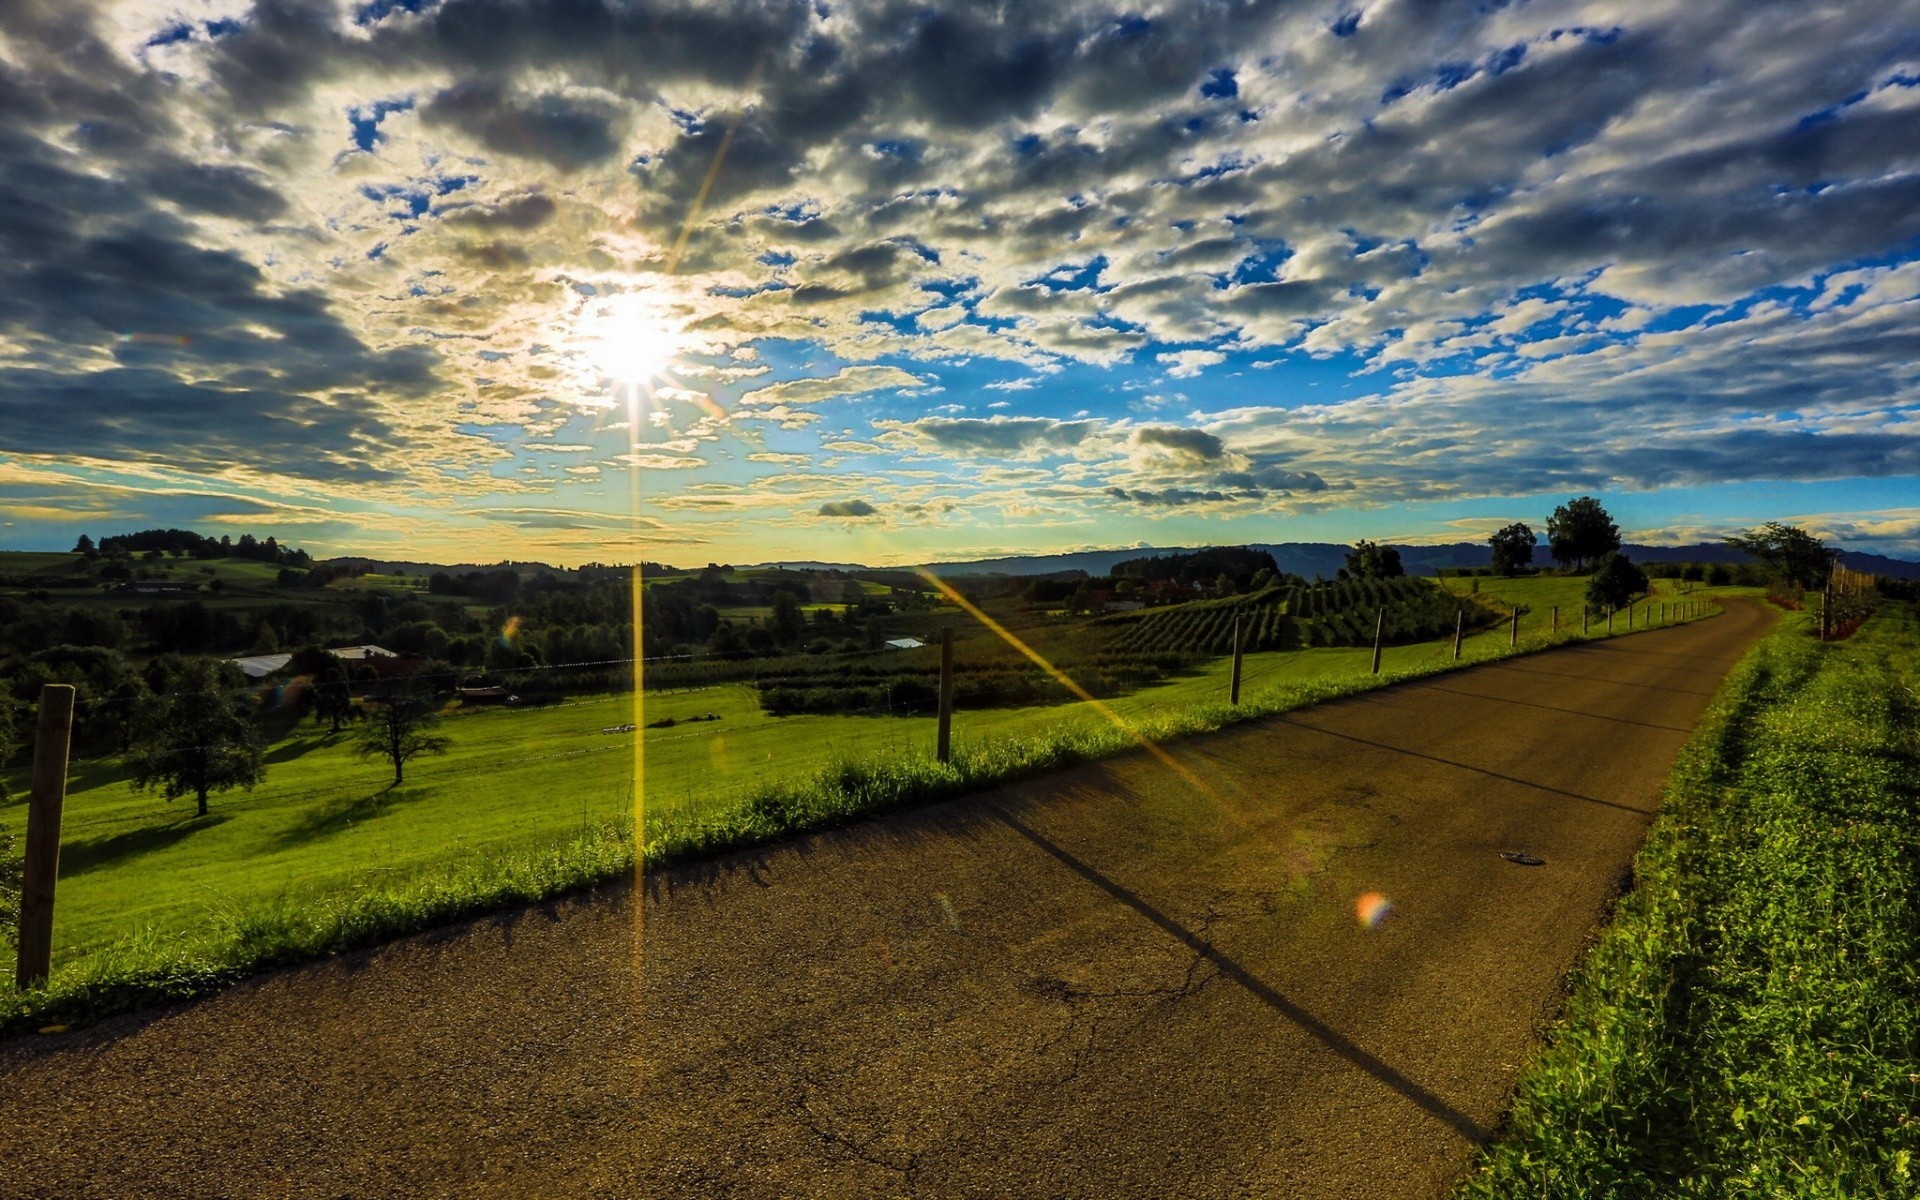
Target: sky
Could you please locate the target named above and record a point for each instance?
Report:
(751, 280)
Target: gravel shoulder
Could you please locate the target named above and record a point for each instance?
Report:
(1119, 981)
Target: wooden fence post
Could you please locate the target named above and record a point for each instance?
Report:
(1239, 646)
(42, 867)
(1513, 634)
(1379, 630)
(1459, 627)
(943, 746)
(1556, 618)
(1585, 611)
(1609, 618)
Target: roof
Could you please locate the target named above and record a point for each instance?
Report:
(360, 653)
(905, 643)
(259, 666)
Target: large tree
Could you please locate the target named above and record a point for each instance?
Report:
(400, 728)
(1789, 552)
(197, 739)
(330, 690)
(1616, 580)
(1579, 532)
(1370, 560)
(1512, 547)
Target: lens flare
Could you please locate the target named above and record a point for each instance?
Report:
(510, 632)
(1372, 908)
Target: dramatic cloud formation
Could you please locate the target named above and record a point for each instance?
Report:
(408, 264)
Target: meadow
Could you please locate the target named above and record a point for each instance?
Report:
(1749, 1023)
(532, 800)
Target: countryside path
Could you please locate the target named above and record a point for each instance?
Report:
(1107, 983)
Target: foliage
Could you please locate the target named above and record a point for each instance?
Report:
(1370, 560)
(1512, 547)
(400, 728)
(1789, 552)
(197, 740)
(11, 870)
(9, 736)
(1615, 582)
(1580, 531)
(1748, 1024)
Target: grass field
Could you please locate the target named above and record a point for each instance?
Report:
(519, 783)
(1749, 1025)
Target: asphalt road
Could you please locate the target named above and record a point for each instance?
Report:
(1109, 983)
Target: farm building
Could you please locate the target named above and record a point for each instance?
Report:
(258, 666)
(905, 643)
(360, 653)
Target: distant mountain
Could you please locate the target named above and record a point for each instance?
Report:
(1325, 558)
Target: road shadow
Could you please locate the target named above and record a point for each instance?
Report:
(91, 854)
(1319, 1030)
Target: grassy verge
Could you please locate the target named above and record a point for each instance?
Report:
(1749, 1023)
(245, 932)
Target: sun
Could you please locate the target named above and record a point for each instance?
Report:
(628, 338)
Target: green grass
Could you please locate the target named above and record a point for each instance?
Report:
(530, 802)
(1749, 1023)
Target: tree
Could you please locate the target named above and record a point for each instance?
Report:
(1580, 532)
(1789, 552)
(399, 729)
(1369, 560)
(197, 740)
(786, 622)
(85, 546)
(1513, 547)
(1616, 581)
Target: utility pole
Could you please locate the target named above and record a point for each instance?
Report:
(943, 746)
(1239, 645)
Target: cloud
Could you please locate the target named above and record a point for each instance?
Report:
(848, 381)
(343, 252)
(997, 436)
(1185, 364)
(1191, 443)
(847, 508)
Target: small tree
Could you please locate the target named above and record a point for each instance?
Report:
(1370, 560)
(1616, 581)
(85, 546)
(1789, 552)
(1580, 531)
(399, 729)
(197, 740)
(1513, 547)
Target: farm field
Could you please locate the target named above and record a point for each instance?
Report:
(323, 824)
